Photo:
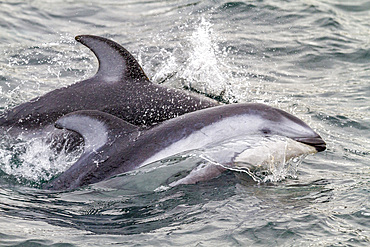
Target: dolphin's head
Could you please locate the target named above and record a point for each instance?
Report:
(278, 122)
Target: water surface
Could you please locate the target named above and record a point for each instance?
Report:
(310, 58)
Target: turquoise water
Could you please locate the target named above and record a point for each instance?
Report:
(310, 58)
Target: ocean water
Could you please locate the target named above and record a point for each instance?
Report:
(308, 57)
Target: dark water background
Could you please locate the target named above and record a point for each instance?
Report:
(308, 57)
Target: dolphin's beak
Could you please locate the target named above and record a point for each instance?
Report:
(316, 142)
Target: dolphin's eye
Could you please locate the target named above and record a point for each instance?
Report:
(266, 131)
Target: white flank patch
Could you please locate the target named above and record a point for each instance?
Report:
(222, 130)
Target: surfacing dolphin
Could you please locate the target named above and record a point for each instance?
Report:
(120, 87)
(114, 146)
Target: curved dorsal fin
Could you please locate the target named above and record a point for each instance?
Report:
(97, 128)
(115, 62)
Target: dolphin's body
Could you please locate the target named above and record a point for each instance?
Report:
(120, 87)
(114, 146)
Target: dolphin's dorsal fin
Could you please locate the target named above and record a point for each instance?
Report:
(116, 64)
(97, 128)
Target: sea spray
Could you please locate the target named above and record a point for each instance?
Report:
(199, 64)
(32, 161)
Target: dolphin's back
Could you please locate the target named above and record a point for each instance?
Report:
(120, 87)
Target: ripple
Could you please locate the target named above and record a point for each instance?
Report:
(311, 57)
(354, 8)
(237, 6)
(328, 22)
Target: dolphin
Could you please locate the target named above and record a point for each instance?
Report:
(120, 87)
(114, 146)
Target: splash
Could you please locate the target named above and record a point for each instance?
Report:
(200, 65)
(34, 161)
(204, 70)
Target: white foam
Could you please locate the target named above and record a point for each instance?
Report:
(33, 159)
(201, 64)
